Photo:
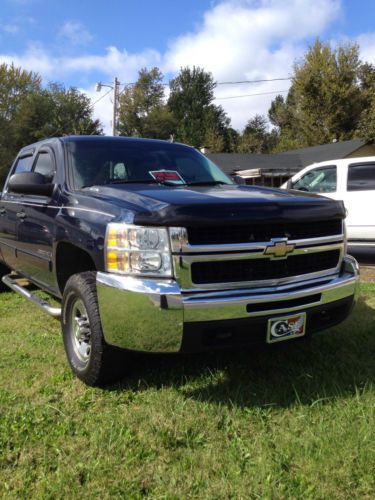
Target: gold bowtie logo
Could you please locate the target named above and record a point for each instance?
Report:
(279, 249)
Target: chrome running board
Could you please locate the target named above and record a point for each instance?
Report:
(12, 281)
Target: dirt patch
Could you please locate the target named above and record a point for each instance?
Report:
(367, 273)
(366, 260)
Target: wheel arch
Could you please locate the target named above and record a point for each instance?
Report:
(71, 259)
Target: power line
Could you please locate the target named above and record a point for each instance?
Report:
(101, 97)
(251, 95)
(255, 81)
(166, 84)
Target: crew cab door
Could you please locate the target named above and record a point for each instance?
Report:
(9, 209)
(35, 227)
(360, 200)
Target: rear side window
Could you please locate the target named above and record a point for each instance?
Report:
(23, 164)
(318, 180)
(361, 177)
(45, 165)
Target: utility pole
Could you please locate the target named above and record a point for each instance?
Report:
(116, 85)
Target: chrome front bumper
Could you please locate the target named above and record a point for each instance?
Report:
(150, 315)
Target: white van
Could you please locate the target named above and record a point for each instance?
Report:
(351, 180)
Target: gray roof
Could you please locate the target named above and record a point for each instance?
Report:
(231, 162)
(324, 152)
(289, 161)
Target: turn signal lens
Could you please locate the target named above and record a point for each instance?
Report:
(117, 261)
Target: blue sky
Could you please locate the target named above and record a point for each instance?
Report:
(81, 42)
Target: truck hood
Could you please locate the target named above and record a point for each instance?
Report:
(217, 205)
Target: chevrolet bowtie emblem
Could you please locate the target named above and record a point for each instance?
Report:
(279, 249)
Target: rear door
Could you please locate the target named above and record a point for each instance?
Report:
(360, 200)
(10, 207)
(36, 223)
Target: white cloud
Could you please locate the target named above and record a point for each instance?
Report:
(34, 59)
(11, 29)
(102, 105)
(75, 33)
(112, 62)
(367, 47)
(251, 40)
(115, 62)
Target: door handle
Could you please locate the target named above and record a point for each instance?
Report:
(2, 211)
(21, 215)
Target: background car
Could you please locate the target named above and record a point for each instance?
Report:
(351, 180)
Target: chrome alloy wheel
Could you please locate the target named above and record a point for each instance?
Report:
(80, 331)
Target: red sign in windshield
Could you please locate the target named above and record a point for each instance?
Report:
(167, 175)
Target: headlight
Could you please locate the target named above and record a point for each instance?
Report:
(138, 250)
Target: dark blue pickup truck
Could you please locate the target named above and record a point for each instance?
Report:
(151, 247)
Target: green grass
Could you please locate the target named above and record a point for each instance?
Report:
(295, 421)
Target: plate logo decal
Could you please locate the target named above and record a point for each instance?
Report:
(286, 328)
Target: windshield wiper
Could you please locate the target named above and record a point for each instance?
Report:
(208, 183)
(143, 181)
(132, 181)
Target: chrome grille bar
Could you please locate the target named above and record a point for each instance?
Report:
(185, 255)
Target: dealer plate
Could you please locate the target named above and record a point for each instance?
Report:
(286, 327)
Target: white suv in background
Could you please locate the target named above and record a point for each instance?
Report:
(351, 180)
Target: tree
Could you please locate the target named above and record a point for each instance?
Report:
(15, 86)
(200, 122)
(232, 140)
(143, 112)
(325, 101)
(256, 137)
(55, 111)
(366, 125)
(72, 112)
(279, 113)
(216, 126)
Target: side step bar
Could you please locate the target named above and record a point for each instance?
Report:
(11, 281)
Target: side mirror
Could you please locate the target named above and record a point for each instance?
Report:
(30, 183)
(238, 180)
(289, 184)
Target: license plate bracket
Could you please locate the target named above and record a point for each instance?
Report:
(286, 327)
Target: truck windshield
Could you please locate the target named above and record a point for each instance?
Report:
(135, 161)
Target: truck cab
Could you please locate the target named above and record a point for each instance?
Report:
(351, 180)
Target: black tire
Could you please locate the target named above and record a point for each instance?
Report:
(4, 270)
(92, 360)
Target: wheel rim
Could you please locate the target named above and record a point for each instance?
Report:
(80, 331)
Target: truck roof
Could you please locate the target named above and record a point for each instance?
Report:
(96, 138)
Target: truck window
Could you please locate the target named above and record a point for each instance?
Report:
(318, 180)
(23, 164)
(103, 162)
(45, 165)
(361, 177)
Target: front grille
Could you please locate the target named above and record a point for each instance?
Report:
(263, 232)
(262, 269)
